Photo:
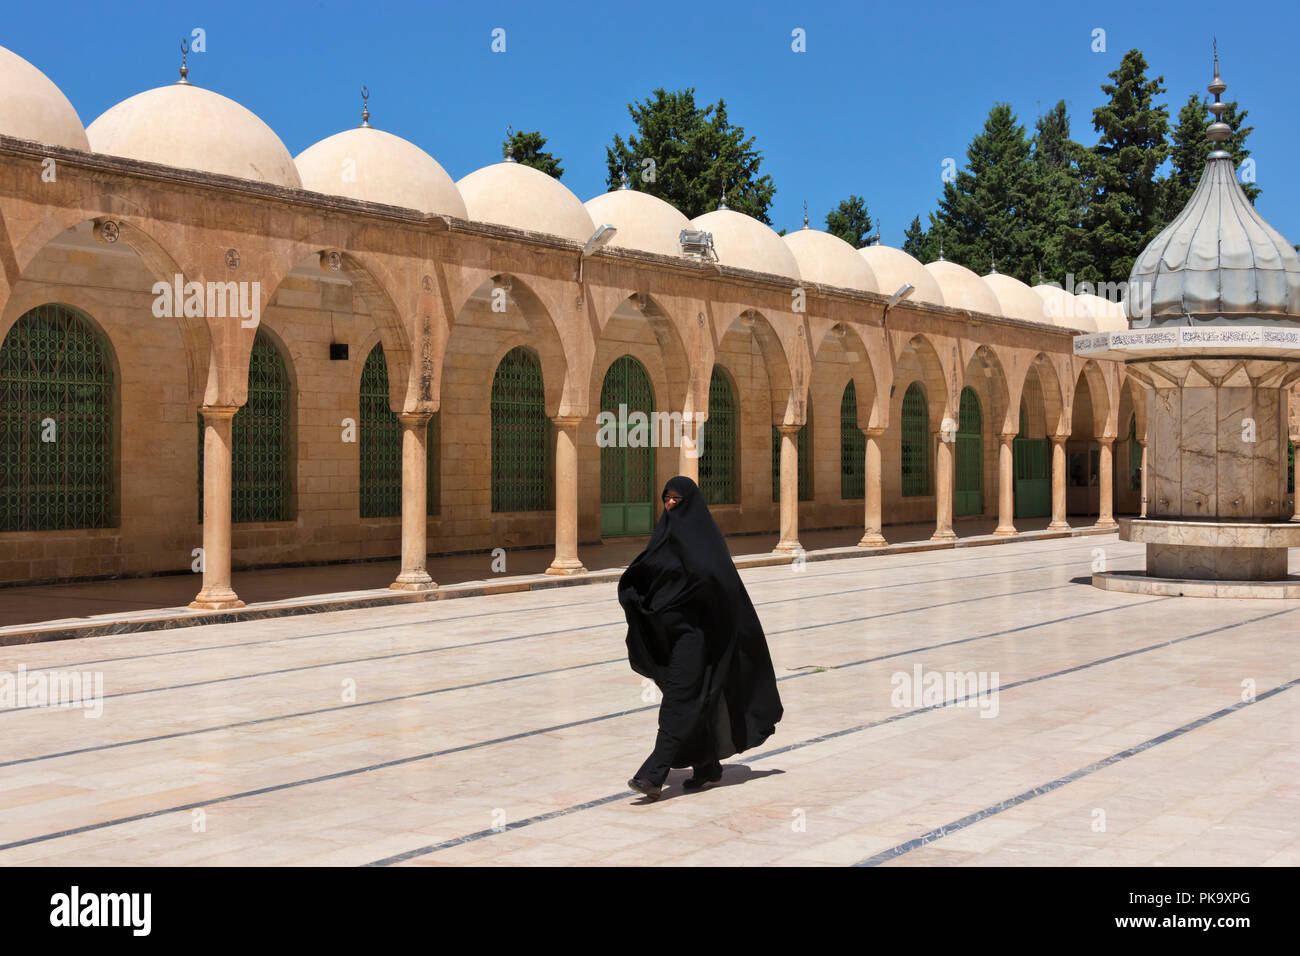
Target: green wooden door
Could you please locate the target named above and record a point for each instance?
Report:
(1033, 484)
(969, 494)
(627, 467)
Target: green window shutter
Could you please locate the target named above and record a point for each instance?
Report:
(56, 423)
(916, 443)
(718, 449)
(522, 447)
(853, 447)
(380, 443)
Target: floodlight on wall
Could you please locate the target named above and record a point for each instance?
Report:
(697, 245)
(903, 292)
(602, 235)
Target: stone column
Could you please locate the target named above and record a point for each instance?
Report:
(566, 497)
(1058, 522)
(943, 491)
(873, 536)
(216, 594)
(1006, 487)
(415, 504)
(688, 458)
(1143, 512)
(1106, 509)
(789, 543)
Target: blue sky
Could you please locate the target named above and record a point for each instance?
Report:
(884, 93)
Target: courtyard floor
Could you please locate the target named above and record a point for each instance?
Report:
(1126, 730)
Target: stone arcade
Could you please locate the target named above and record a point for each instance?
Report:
(476, 428)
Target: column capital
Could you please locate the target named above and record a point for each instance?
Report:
(415, 419)
(1107, 441)
(1008, 436)
(217, 413)
(875, 432)
(787, 429)
(567, 421)
(1059, 439)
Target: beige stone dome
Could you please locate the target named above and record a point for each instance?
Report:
(374, 166)
(1062, 309)
(1015, 299)
(1104, 315)
(962, 289)
(745, 243)
(193, 128)
(645, 223)
(829, 260)
(515, 195)
(893, 267)
(32, 107)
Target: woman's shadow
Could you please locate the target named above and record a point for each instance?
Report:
(732, 775)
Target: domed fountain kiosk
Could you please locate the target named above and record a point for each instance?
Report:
(1214, 336)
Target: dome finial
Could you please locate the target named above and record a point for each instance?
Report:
(365, 108)
(185, 70)
(723, 204)
(993, 265)
(805, 214)
(510, 144)
(941, 259)
(1218, 131)
(624, 182)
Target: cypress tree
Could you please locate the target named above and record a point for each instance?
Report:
(850, 221)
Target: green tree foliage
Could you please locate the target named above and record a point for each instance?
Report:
(528, 152)
(1190, 151)
(916, 241)
(984, 213)
(1056, 201)
(1121, 190)
(850, 221)
(687, 155)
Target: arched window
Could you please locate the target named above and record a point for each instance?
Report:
(1134, 456)
(968, 480)
(718, 449)
(916, 443)
(261, 471)
(803, 440)
(381, 446)
(853, 447)
(627, 466)
(521, 435)
(56, 423)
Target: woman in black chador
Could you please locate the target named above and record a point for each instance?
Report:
(692, 629)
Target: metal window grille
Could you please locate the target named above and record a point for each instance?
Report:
(626, 473)
(853, 447)
(1134, 457)
(56, 424)
(718, 450)
(969, 476)
(380, 442)
(522, 447)
(260, 436)
(916, 443)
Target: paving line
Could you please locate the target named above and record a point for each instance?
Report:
(948, 829)
(619, 622)
(535, 608)
(624, 794)
(591, 720)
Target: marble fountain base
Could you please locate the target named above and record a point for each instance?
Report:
(1244, 559)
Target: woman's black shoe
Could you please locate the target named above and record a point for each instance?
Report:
(646, 787)
(703, 780)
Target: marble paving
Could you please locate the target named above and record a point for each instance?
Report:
(981, 706)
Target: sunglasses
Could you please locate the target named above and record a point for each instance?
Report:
(672, 496)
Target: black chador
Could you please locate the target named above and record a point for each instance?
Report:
(692, 629)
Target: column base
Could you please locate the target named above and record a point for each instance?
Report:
(559, 566)
(1058, 526)
(216, 599)
(415, 580)
(1106, 523)
(1005, 531)
(873, 539)
(1296, 518)
(946, 535)
(788, 547)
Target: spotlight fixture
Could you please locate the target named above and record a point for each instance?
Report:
(698, 245)
(903, 292)
(599, 238)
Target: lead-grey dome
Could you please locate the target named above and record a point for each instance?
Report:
(1218, 262)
